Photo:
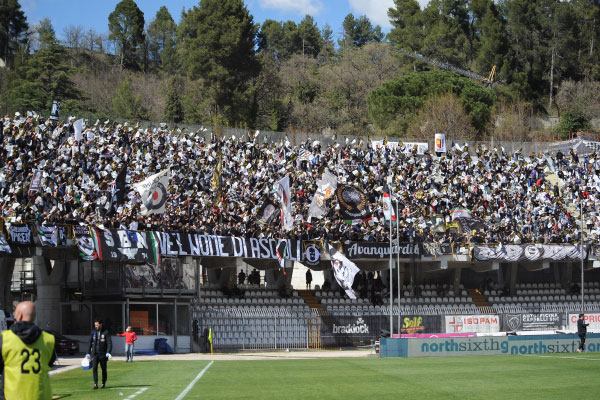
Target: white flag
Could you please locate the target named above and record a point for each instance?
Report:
(283, 191)
(153, 191)
(325, 189)
(388, 210)
(344, 271)
(78, 128)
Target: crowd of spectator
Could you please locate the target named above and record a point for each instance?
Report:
(512, 195)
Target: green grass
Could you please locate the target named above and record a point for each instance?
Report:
(490, 377)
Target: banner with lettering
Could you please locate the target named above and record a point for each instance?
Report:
(472, 323)
(348, 330)
(532, 252)
(532, 322)
(125, 246)
(590, 318)
(177, 244)
(20, 235)
(354, 250)
(413, 324)
(85, 242)
(52, 236)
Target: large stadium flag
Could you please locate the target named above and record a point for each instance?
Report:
(267, 212)
(344, 271)
(153, 191)
(283, 192)
(325, 189)
(353, 203)
(388, 210)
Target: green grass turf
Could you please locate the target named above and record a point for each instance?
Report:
(490, 377)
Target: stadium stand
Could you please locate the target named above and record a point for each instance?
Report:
(472, 195)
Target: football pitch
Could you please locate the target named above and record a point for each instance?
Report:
(563, 376)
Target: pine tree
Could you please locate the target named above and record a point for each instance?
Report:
(359, 31)
(161, 34)
(217, 42)
(13, 29)
(126, 104)
(45, 76)
(126, 26)
(173, 107)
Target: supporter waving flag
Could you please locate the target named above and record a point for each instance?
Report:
(325, 189)
(283, 191)
(117, 191)
(388, 210)
(353, 203)
(344, 270)
(153, 191)
(267, 212)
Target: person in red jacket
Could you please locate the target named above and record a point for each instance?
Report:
(130, 338)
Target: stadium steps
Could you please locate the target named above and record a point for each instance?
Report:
(309, 298)
(478, 299)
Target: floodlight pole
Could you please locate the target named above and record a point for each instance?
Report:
(398, 266)
(391, 280)
(581, 216)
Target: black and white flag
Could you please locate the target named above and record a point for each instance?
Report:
(325, 189)
(267, 212)
(85, 242)
(48, 235)
(36, 181)
(153, 191)
(117, 191)
(344, 271)
(353, 203)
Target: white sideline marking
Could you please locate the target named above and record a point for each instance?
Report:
(569, 357)
(192, 383)
(142, 390)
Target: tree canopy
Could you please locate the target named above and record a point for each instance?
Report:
(126, 26)
(394, 104)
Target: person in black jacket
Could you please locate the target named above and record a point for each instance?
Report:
(581, 331)
(99, 352)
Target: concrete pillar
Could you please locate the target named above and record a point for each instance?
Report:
(274, 278)
(48, 276)
(7, 265)
(514, 268)
(500, 275)
(567, 276)
(212, 275)
(456, 281)
(225, 277)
